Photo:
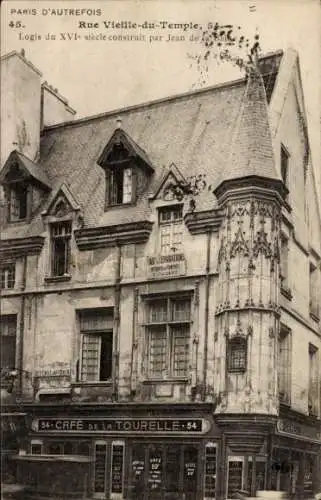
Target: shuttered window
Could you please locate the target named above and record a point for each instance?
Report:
(96, 329)
(284, 365)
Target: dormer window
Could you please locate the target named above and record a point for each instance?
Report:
(18, 202)
(120, 186)
(124, 163)
(60, 248)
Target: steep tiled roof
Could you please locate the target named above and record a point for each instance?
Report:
(192, 130)
(33, 169)
(251, 151)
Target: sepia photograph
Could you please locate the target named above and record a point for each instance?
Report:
(160, 249)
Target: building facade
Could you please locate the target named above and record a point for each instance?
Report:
(166, 342)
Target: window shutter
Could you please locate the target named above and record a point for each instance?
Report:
(107, 188)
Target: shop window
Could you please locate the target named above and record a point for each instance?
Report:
(60, 248)
(36, 447)
(96, 345)
(117, 467)
(100, 467)
(237, 354)
(164, 471)
(313, 393)
(55, 449)
(8, 328)
(171, 229)
(210, 470)
(8, 276)
(18, 202)
(168, 331)
(285, 365)
(256, 481)
(234, 475)
(314, 292)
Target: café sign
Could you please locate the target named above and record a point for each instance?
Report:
(296, 430)
(122, 425)
(166, 265)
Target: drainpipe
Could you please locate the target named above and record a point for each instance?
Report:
(116, 323)
(21, 326)
(207, 292)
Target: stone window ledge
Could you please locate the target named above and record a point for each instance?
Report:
(58, 279)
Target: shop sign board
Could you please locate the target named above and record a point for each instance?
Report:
(166, 265)
(180, 426)
(297, 430)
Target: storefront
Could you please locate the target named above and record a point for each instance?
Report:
(159, 454)
(295, 459)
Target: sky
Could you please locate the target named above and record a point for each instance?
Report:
(101, 75)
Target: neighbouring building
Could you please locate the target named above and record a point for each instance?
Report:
(164, 346)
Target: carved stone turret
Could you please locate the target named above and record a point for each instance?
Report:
(247, 313)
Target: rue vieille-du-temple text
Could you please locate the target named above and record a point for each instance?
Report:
(88, 27)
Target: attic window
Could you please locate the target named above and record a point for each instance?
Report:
(60, 248)
(119, 186)
(18, 202)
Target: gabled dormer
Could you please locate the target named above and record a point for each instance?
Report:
(62, 216)
(127, 168)
(171, 182)
(25, 185)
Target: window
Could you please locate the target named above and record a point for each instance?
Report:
(171, 229)
(60, 248)
(96, 329)
(237, 354)
(284, 365)
(120, 186)
(234, 475)
(313, 395)
(18, 202)
(285, 166)
(8, 276)
(36, 447)
(284, 262)
(168, 329)
(117, 467)
(314, 290)
(8, 328)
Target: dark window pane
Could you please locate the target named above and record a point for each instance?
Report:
(106, 356)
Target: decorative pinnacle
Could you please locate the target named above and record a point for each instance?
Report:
(119, 122)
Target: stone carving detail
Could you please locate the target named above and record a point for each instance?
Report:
(61, 209)
(239, 244)
(222, 253)
(240, 209)
(261, 245)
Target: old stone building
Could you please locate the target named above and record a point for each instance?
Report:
(163, 346)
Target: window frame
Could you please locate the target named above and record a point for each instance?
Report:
(285, 334)
(15, 192)
(237, 344)
(5, 279)
(113, 188)
(313, 389)
(66, 239)
(99, 332)
(284, 164)
(314, 307)
(169, 324)
(4, 322)
(171, 226)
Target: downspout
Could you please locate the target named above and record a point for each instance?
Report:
(21, 326)
(207, 292)
(116, 323)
